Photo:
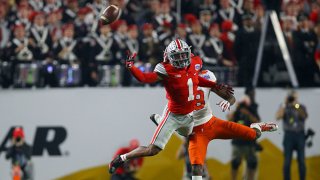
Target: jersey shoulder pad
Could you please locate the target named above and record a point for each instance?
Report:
(160, 69)
(208, 75)
(196, 60)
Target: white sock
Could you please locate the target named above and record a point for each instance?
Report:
(123, 157)
(196, 177)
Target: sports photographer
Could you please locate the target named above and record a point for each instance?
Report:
(245, 113)
(293, 115)
(20, 155)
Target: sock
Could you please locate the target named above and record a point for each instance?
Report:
(123, 157)
(196, 177)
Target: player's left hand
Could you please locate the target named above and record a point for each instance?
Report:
(227, 88)
(224, 105)
(130, 59)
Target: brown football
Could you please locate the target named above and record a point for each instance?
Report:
(110, 14)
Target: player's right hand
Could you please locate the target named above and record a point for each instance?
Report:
(224, 105)
(130, 59)
(226, 88)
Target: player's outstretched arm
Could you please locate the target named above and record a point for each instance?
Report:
(151, 77)
(215, 86)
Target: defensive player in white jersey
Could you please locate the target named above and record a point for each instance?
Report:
(208, 127)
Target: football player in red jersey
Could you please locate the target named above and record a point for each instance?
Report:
(179, 75)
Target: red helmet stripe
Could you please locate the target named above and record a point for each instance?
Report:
(178, 43)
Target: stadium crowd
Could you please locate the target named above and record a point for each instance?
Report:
(62, 43)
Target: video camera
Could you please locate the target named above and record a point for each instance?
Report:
(309, 137)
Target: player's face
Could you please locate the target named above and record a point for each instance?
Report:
(180, 59)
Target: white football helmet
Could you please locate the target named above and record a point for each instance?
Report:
(178, 53)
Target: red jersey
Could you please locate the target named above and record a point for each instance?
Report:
(180, 85)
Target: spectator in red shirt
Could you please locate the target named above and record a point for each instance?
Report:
(130, 167)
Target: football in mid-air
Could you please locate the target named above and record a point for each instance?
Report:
(110, 14)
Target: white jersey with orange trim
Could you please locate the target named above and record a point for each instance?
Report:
(203, 112)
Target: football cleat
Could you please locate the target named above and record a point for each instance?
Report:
(115, 163)
(265, 126)
(153, 118)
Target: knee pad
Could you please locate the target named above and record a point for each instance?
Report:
(235, 163)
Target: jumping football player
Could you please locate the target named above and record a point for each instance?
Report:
(208, 127)
(179, 75)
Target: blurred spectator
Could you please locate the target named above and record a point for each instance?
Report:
(20, 47)
(51, 5)
(70, 12)
(67, 49)
(209, 6)
(128, 170)
(4, 29)
(205, 21)
(39, 35)
(181, 32)
(305, 42)
(22, 16)
(36, 5)
(102, 46)
(293, 115)
(248, 6)
(287, 28)
(54, 26)
(228, 37)
(120, 37)
(166, 35)
(152, 9)
(196, 39)
(20, 154)
(81, 27)
(228, 13)
(213, 48)
(246, 113)
(150, 51)
(164, 17)
(132, 42)
(245, 48)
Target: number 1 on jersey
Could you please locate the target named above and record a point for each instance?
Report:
(190, 87)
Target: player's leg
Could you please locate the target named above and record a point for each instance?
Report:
(252, 161)
(235, 160)
(198, 143)
(159, 140)
(221, 129)
(185, 124)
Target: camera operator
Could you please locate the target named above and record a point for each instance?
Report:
(20, 154)
(245, 113)
(293, 115)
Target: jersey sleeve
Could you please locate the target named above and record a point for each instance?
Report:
(209, 75)
(160, 69)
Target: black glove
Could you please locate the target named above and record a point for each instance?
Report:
(130, 59)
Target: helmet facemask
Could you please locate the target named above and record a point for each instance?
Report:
(180, 59)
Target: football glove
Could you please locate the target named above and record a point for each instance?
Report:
(224, 105)
(226, 88)
(130, 59)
